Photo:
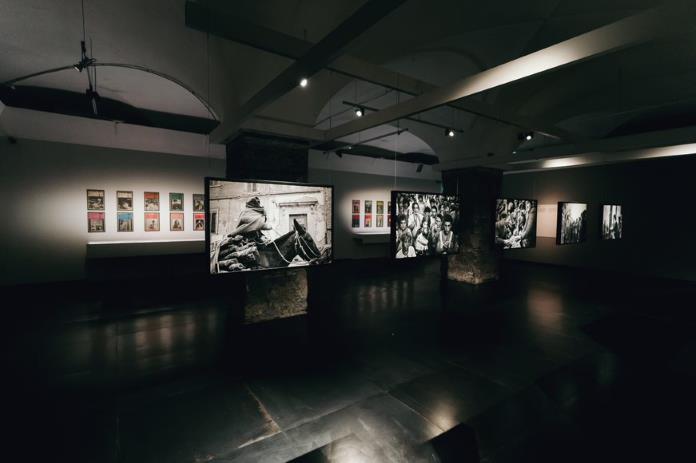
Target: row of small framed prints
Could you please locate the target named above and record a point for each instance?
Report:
(124, 220)
(367, 217)
(124, 201)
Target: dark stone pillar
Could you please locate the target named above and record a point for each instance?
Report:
(477, 188)
(276, 294)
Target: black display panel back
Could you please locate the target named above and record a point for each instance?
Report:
(261, 225)
(424, 224)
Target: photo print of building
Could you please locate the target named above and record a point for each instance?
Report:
(263, 225)
(425, 224)
(572, 223)
(612, 222)
(515, 223)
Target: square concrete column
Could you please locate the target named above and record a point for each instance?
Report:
(281, 293)
(478, 260)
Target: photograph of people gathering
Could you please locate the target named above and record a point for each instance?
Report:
(425, 224)
(515, 223)
(572, 223)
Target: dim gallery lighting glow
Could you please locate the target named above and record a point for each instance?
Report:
(647, 153)
(304, 82)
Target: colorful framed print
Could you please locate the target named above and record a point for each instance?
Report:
(152, 222)
(176, 221)
(368, 206)
(356, 206)
(380, 207)
(124, 200)
(355, 222)
(95, 222)
(199, 221)
(152, 201)
(95, 200)
(176, 202)
(380, 221)
(124, 221)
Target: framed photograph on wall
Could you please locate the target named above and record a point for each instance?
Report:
(380, 221)
(152, 201)
(95, 200)
(198, 202)
(124, 200)
(389, 214)
(368, 206)
(152, 221)
(263, 225)
(380, 207)
(424, 224)
(95, 222)
(176, 221)
(515, 223)
(368, 221)
(571, 226)
(355, 221)
(612, 222)
(124, 221)
(356, 206)
(199, 221)
(176, 201)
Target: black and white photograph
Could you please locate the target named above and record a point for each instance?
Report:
(124, 200)
(612, 222)
(198, 202)
(95, 200)
(572, 223)
(515, 223)
(266, 225)
(425, 224)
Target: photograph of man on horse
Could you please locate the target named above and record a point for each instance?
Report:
(246, 247)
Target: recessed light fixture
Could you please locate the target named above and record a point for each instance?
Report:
(359, 112)
(304, 82)
(449, 132)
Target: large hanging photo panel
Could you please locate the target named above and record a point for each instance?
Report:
(424, 224)
(262, 225)
(515, 223)
(572, 223)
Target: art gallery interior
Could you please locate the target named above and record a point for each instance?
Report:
(348, 231)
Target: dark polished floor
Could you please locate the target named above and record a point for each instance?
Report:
(391, 364)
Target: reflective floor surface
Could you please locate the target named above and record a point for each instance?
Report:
(391, 364)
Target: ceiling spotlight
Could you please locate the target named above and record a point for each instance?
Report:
(449, 132)
(303, 82)
(529, 136)
(419, 168)
(526, 136)
(359, 112)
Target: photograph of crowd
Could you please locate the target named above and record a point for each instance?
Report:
(572, 223)
(265, 225)
(515, 223)
(612, 222)
(425, 224)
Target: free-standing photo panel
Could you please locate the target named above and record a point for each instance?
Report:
(571, 226)
(515, 223)
(612, 222)
(265, 225)
(424, 224)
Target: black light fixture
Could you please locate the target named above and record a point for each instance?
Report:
(359, 112)
(419, 168)
(449, 132)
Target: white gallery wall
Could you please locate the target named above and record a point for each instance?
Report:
(44, 186)
(362, 178)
